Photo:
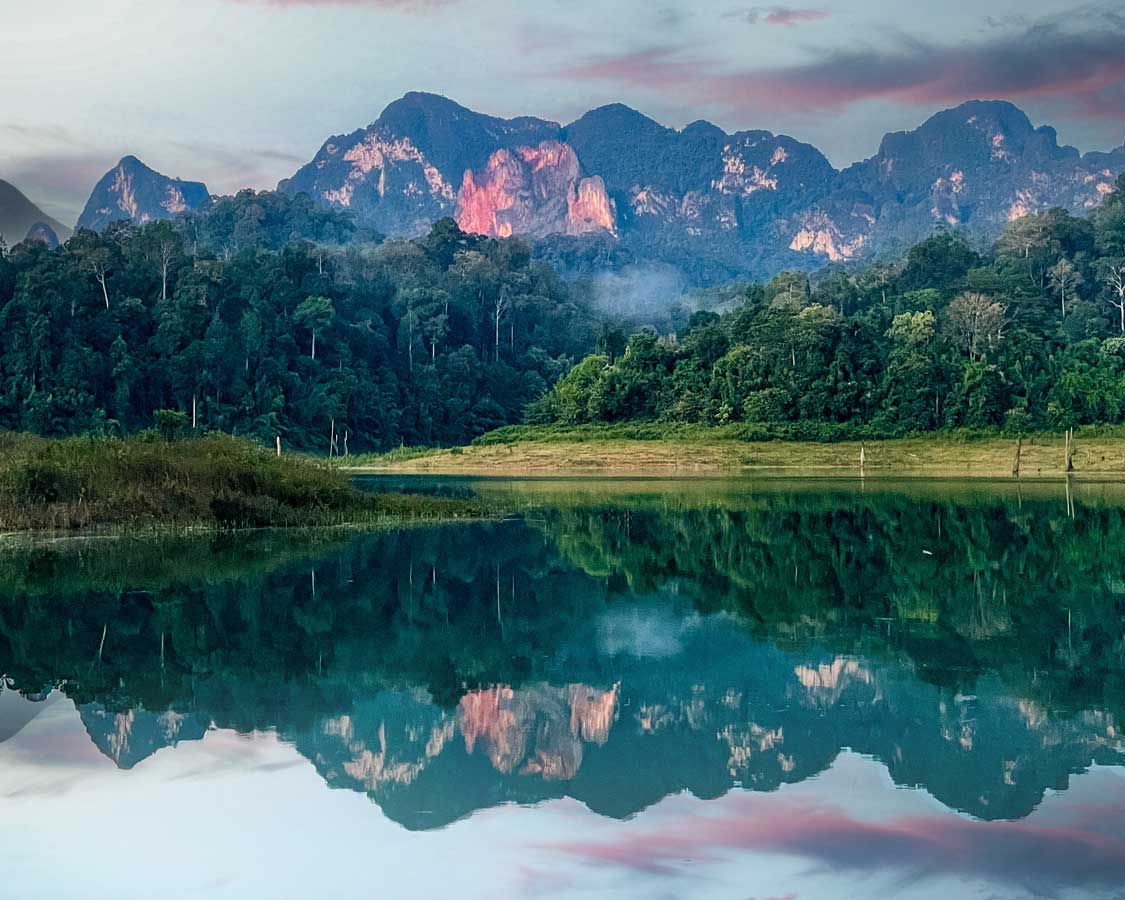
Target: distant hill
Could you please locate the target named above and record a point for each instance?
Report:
(134, 192)
(19, 216)
(715, 205)
(44, 234)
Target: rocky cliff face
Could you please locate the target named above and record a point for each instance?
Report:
(132, 191)
(716, 205)
(534, 191)
(403, 172)
(975, 167)
(131, 736)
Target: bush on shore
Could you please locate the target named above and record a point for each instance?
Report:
(213, 481)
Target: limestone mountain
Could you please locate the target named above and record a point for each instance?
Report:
(19, 216)
(715, 205)
(975, 167)
(132, 191)
(404, 171)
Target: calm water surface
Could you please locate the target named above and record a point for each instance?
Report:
(756, 689)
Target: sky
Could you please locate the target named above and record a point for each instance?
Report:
(240, 93)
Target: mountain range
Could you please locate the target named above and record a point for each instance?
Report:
(733, 715)
(616, 187)
(716, 205)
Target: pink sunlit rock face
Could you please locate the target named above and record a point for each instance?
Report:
(534, 191)
(539, 729)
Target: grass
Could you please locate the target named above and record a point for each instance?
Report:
(217, 482)
(657, 449)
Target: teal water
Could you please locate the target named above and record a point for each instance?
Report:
(628, 689)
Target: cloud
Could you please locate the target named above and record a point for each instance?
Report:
(779, 15)
(1085, 851)
(1086, 69)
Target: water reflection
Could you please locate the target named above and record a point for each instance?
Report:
(616, 650)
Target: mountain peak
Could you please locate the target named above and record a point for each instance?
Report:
(414, 103)
(132, 191)
(43, 233)
(402, 173)
(617, 116)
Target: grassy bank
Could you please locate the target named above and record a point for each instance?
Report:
(696, 450)
(211, 482)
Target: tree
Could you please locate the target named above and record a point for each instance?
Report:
(611, 341)
(160, 244)
(94, 257)
(1109, 222)
(171, 423)
(500, 307)
(1064, 279)
(1114, 274)
(575, 391)
(912, 382)
(315, 314)
(975, 323)
(789, 289)
(940, 261)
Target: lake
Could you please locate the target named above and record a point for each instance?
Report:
(676, 689)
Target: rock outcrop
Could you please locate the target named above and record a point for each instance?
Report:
(536, 192)
(131, 191)
(402, 173)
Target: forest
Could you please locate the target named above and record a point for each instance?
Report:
(267, 316)
(1030, 336)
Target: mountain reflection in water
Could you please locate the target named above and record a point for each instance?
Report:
(614, 649)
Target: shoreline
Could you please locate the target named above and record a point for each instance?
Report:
(1040, 457)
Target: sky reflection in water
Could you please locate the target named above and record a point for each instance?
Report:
(667, 694)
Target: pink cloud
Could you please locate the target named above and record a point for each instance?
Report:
(1086, 850)
(783, 15)
(1085, 69)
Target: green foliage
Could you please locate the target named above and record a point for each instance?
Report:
(216, 481)
(171, 423)
(946, 339)
(271, 318)
(254, 312)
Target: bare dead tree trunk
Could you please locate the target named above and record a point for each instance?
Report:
(166, 251)
(1115, 280)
